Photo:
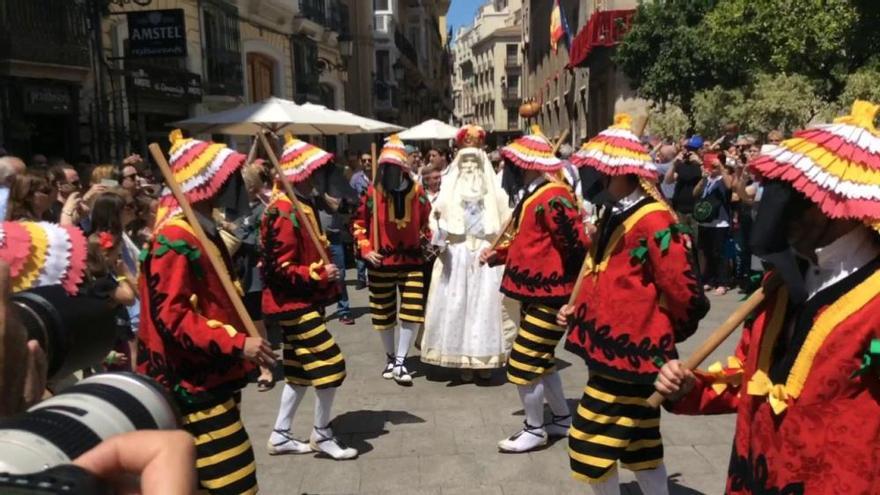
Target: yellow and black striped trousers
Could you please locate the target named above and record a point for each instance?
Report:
(534, 348)
(614, 422)
(225, 460)
(384, 286)
(311, 356)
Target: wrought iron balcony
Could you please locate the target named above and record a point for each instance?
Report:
(45, 31)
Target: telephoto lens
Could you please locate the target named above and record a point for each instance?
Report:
(60, 429)
(75, 332)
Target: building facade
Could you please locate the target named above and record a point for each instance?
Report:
(487, 73)
(412, 62)
(579, 95)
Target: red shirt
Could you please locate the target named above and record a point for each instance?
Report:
(294, 276)
(190, 338)
(639, 296)
(403, 222)
(822, 438)
(548, 246)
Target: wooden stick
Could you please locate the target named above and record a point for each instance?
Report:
(723, 331)
(294, 200)
(560, 140)
(253, 152)
(216, 263)
(374, 231)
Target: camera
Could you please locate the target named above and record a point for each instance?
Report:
(75, 332)
(35, 447)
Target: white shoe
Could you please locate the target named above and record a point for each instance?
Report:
(286, 444)
(401, 374)
(558, 427)
(388, 372)
(529, 438)
(323, 440)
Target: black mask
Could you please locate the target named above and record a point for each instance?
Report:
(780, 205)
(512, 181)
(392, 178)
(233, 198)
(330, 180)
(594, 186)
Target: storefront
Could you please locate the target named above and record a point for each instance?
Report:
(157, 98)
(40, 116)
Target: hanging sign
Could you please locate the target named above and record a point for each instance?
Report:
(156, 33)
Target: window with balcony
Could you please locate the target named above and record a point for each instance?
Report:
(222, 49)
(381, 5)
(313, 10)
(512, 118)
(512, 59)
(45, 31)
(305, 63)
(383, 65)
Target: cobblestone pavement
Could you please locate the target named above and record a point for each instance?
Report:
(439, 436)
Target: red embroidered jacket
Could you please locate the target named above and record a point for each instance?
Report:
(190, 338)
(639, 296)
(808, 412)
(401, 226)
(547, 247)
(293, 273)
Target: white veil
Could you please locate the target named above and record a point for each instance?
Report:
(449, 203)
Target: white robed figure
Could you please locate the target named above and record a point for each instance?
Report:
(466, 325)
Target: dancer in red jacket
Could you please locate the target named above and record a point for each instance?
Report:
(397, 262)
(297, 287)
(190, 338)
(542, 251)
(639, 296)
(804, 381)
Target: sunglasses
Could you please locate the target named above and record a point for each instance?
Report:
(130, 176)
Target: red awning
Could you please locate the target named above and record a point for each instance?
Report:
(605, 28)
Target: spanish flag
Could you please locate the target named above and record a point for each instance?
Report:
(558, 26)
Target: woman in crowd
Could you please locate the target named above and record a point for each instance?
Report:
(30, 197)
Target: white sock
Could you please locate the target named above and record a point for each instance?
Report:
(610, 485)
(324, 406)
(388, 341)
(291, 397)
(532, 397)
(408, 331)
(555, 395)
(653, 481)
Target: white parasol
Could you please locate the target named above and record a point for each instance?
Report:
(429, 129)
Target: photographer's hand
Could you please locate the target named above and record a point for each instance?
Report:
(164, 460)
(20, 386)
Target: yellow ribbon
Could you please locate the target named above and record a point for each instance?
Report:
(722, 378)
(217, 324)
(313, 270)
(777, 395)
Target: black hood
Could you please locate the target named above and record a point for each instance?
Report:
(780, 205)
(330, 180)
(392, 177)
(512, 181)
(233, 198)
(593, 186)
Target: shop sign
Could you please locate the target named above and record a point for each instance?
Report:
(47, 100)
(156, 33)
(175, 85)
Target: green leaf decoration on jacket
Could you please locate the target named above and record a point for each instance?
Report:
(180, 247)
(294, 219)
(640, 253)
(144, 254)
(423, 199)
(539, 209)
(664, 237)
(561, 199)
(370, 203)
(870, 359)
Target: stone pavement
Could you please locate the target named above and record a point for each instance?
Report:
(439, 436)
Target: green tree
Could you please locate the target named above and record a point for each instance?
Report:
(782, 101)
(668, 121)
(662, 54)
(715, 107)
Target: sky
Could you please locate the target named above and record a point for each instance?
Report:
(462, 13)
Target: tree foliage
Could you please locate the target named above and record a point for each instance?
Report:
(668, 121)
(785, 102)
(692, 52)
(715, 107)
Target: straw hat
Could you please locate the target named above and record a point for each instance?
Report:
(43, 253)
(617, 151)
(836, 166)
(532, 152)
(299, 159)
(393, 152)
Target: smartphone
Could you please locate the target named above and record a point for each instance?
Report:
(109, 183)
